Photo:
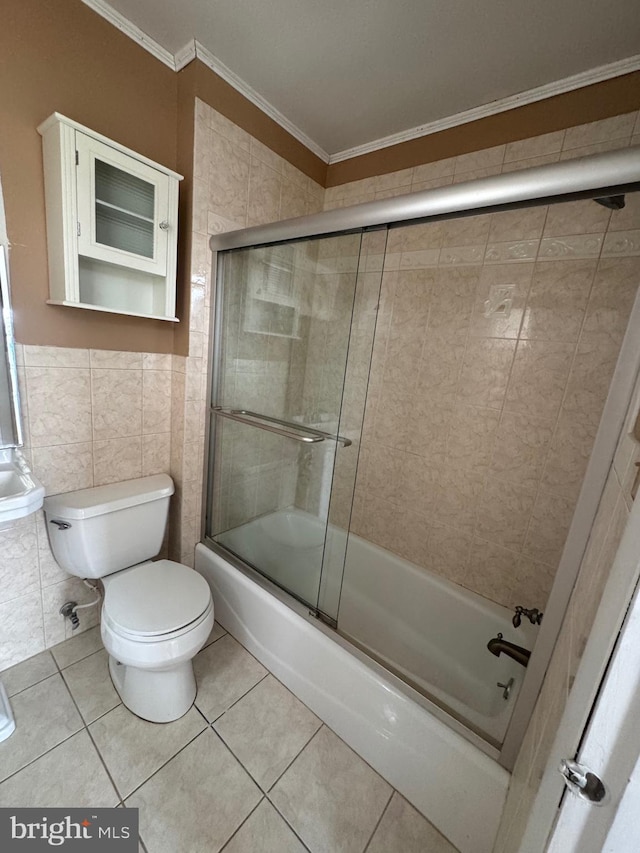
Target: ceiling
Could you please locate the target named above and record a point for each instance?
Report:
(348, 73)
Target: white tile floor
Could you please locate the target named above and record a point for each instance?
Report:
(249, 769)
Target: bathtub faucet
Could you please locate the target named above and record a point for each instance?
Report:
(497, 646)
(533, 615)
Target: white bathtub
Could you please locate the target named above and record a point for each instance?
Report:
(434, 633)
(459, 788)
(430, 631)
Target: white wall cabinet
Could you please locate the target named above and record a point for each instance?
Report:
(112, 224)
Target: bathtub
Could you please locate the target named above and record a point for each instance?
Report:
(431, 632)
(434, 633)
(456, 784)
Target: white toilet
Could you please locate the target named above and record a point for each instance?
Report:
(156, 616)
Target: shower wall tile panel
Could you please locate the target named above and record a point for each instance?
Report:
(238, 182)
(496, 341)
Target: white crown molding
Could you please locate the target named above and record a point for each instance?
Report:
(110, 14)
(193, 49)
(540, 93)
(250, 94)
(185, 55)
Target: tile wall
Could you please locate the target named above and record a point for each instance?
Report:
(609, 525)
(495, 344)
(90, 417)
(266, 329)
(238, 182)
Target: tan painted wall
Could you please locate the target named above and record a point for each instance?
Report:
(61, 56)
(589, 104)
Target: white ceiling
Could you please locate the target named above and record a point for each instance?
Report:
(348, 72)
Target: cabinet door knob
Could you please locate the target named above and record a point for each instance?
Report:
(164, 225)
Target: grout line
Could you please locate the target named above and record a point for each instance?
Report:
(86, 728)
(39, 681)
(201, 713)
(93, 433)
(379, 821)
(298, 754)
(240, 698)
(68, 737)
(41, 755)
(237, 830)
(164, 764)
(101, 716)
(104, 763)
(287, 822)
(84, 657)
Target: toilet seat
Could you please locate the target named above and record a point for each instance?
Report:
(155, 601)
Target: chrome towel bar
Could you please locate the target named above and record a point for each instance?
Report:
(293, 430)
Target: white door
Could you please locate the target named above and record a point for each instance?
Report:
(610, 745)
(600, 727)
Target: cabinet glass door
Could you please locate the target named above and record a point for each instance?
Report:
(124, 210)
(122, 205)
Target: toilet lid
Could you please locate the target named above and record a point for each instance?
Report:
(156, 598)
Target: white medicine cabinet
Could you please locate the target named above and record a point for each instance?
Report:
(112, 224)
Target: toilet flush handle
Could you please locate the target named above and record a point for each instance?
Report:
(61, 525)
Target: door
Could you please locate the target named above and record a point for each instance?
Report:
(610, 751)
(599, 728)
(123, 206)
(285, 347)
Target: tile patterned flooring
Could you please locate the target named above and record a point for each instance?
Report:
(256, 769)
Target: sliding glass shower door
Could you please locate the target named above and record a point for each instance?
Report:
(286, 343)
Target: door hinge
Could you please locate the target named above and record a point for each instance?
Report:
(582, 782)
(77, 158)
(78, 229)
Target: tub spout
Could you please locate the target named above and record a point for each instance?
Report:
(497, 646)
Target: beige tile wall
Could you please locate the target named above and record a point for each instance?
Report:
(91, 417)
(479, 422)
(612, 516)
(593, 138)
(255, 474)
(238, 181)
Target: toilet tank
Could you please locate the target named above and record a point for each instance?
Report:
(94, 532)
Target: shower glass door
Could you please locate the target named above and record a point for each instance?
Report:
(284, 327)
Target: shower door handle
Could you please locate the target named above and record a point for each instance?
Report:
(288, 429)
(249, 418)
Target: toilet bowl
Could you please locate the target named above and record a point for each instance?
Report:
(156, 615)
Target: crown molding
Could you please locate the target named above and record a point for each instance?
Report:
(185, 55)
(193, 49)
(124, 24)
(540, 93)
(214, 64)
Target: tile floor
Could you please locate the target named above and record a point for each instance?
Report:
(256, 769)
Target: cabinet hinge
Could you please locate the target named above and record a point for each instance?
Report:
(78, 229)
(77, 158)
